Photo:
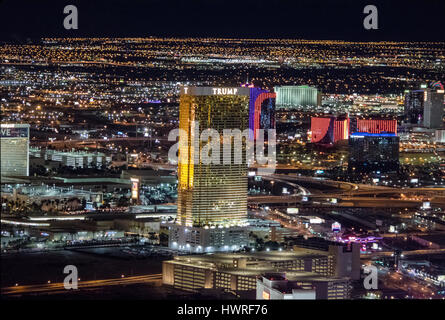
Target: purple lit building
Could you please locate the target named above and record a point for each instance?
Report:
(261, 110)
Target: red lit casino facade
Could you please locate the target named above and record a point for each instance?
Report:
(329, 130)
(376, 126)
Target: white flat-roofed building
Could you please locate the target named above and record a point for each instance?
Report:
(278, 287)
(75, 159)
(302, 286)
(14, 149)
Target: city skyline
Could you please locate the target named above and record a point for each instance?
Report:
(196, 151)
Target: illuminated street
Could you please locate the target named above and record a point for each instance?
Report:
(53, 288)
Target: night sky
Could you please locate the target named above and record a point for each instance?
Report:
(22, 20)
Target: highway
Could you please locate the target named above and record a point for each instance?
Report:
(398, 191)
(343, 186)
(351, 194)
(322, 201)
(413, 287)
(55, 288)
(404, 253)
(96, 140)
(302, 191)
(354, 189)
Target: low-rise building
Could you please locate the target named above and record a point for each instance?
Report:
(240, 271)
(75, 159)
(301, 286)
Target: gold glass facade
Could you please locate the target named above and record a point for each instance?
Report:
(211, 194)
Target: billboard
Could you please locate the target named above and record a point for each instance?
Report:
(426, 205)
(292, 210)
(336, 227)
(135, 189)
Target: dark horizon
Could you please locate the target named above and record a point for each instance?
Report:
(21, 21)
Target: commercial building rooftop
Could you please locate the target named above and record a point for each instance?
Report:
(256, 256)
(251, 264)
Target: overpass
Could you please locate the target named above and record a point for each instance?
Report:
(57, 288)
(351, 194)
(302, 191)
(345, 201)
(399, 191)
(322, 182)
(96, 140)
(404, 253)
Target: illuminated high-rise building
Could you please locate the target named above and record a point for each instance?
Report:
(14, 149)
(296, 96)
(261, 110)
(425, 107)
(373, 125)
(433, 108)
(414, 102)
(329, 130)
(370, 152)
(212, 197)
